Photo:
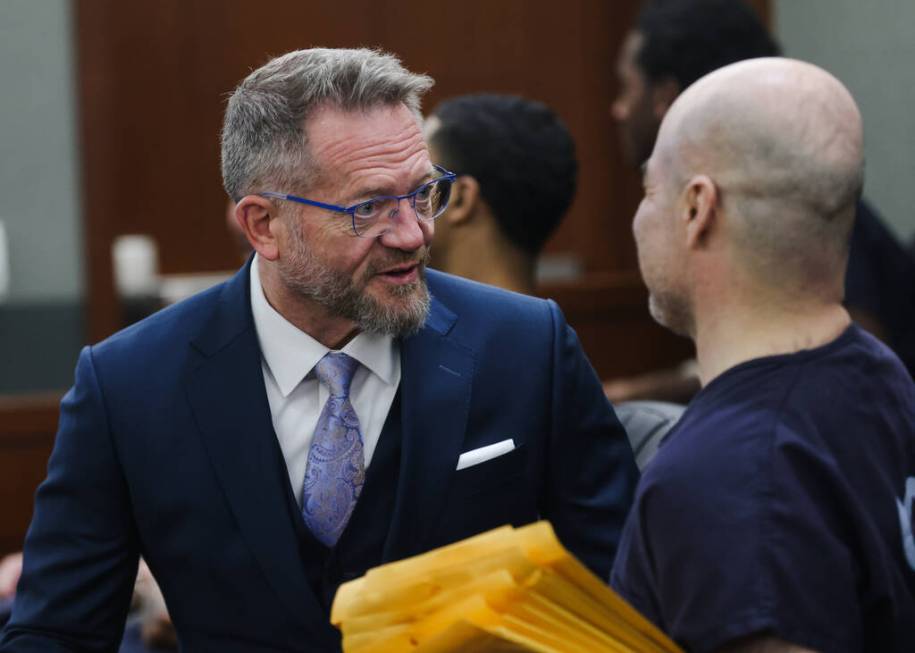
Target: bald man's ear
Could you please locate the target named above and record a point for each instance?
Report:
(464, 202)
(700, 210)
(257, 218)
(663, 94)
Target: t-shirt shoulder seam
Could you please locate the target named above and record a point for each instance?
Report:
(769, 490)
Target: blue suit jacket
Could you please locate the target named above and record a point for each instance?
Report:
(166, 448)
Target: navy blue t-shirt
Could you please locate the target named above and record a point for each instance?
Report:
(778, 505)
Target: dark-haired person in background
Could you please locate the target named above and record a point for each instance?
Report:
(674, 43)
(517, 175)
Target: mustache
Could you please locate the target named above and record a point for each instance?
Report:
(393, 257)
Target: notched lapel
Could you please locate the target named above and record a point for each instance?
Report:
(436, 382)
(227, 396)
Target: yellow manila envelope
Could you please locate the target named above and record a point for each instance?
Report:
(504, 590)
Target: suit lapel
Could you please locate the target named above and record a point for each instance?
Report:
(227, 395)
(436, 379)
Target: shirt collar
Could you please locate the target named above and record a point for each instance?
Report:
(290, 353)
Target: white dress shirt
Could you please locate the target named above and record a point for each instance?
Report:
(294, 393)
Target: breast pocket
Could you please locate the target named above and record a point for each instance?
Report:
(488, 495)
(490, 475)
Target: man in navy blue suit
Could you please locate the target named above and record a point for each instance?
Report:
(332, 407)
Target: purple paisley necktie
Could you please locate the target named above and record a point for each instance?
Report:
(335, 471)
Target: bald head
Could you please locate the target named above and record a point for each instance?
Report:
(782, 142)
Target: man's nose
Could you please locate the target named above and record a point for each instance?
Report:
(405, 230)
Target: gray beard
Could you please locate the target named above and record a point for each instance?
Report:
(404, 315)
(671, 313)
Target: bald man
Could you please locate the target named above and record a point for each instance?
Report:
(777, 515)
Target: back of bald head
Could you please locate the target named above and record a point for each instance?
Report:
(782, 140)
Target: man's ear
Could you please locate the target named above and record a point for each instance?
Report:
(256, 215)
(663, 94)
(700, 210)
(465, 198)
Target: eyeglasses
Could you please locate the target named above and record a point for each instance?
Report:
(371, 218)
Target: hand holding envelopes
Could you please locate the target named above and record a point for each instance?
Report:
(504, 590)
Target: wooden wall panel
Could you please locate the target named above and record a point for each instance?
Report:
(27, 428)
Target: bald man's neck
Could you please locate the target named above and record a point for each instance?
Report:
(734, 326)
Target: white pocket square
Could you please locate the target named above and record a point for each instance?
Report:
(481, 455)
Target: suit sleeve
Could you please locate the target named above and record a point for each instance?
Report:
(80, 555)
(591, 470)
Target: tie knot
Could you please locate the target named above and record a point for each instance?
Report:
(336, 371)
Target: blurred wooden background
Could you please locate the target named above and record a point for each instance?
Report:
(152, 78)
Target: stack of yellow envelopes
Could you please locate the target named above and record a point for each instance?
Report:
(505, 590)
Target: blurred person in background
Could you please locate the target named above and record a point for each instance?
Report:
(516, 178)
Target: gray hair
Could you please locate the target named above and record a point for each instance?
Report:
(263, 135)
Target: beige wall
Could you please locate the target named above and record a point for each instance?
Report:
(870, 46)
(39, 194)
